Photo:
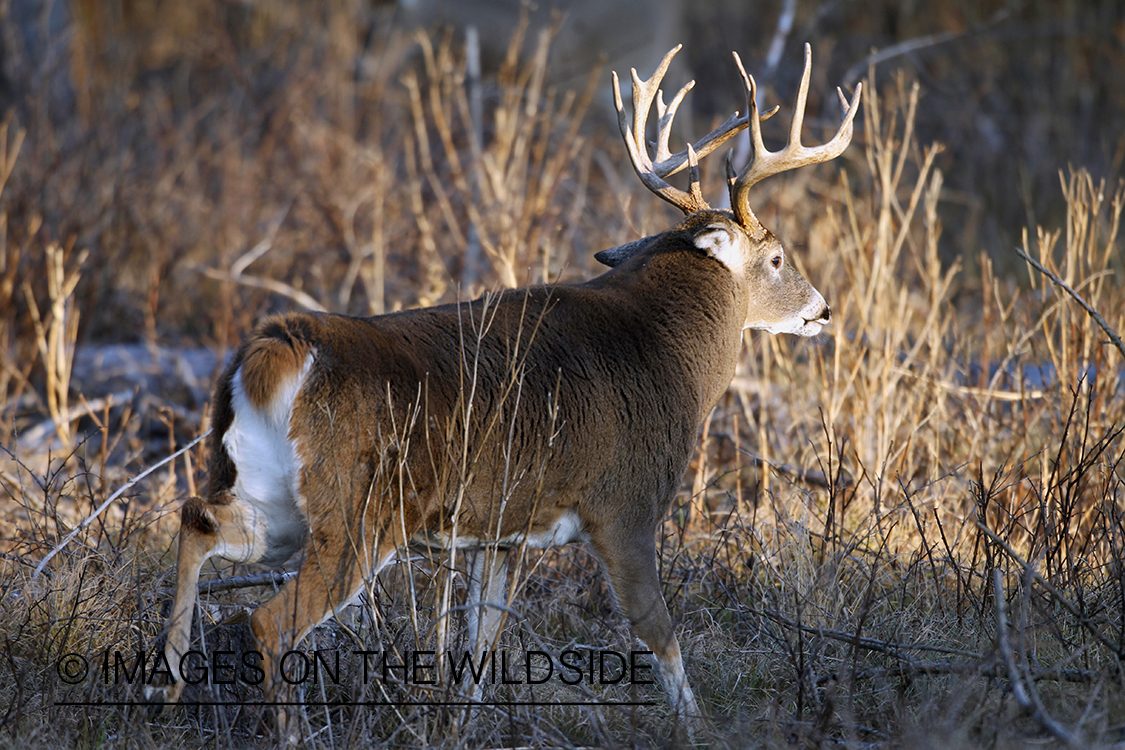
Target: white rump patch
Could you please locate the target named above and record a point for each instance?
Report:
(721, 245)
(266, 459)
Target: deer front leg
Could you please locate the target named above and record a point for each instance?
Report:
(630, 562)
(488, 579)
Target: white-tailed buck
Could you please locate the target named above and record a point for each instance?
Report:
(534, 417)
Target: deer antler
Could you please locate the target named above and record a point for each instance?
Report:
(652, 173)
(766, 163)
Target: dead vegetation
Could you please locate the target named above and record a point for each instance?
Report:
(909, 532)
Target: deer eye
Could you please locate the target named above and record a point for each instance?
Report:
(775, 261)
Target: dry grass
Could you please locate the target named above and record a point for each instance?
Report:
(832, 562)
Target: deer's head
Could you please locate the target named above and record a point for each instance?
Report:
(780, 300)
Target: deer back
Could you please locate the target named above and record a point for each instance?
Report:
(537, 400)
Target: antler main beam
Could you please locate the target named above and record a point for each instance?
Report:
(765, 162)
(653, 171)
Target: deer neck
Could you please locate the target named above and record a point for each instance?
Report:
(696, 314)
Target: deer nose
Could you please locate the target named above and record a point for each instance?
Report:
(824, 317)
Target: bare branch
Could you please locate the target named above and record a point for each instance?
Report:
(1082, 619)
(272, 578)
(1113, 337)
(1025, 695)
(272, 285)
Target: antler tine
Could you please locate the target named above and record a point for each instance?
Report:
(669, 164)
(732, 176)
(693, 175)
(644, 92)
(752, 108)
(765, 163)
(802, 97)
(665, 115)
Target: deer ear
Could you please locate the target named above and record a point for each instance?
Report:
(721, 244)
(615, 256)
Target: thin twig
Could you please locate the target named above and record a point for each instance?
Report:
(870, 644)
(272, 578)
(1113, 337)
(986, 671)
(272, 285)
(968, 390)
(1003, 642)
(215, 586)
(98, 511)
(895, 50)
(264, 245)
(911, 46)
(795, 473)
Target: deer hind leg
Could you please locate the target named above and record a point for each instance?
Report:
(206, 529)
(631, 568)
(331, 578)
(487, 597)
